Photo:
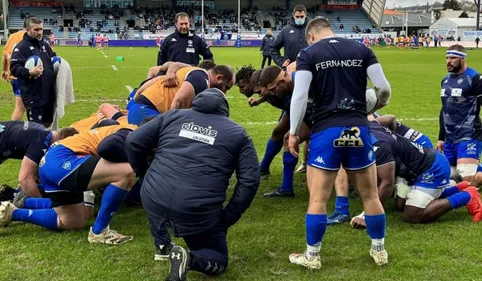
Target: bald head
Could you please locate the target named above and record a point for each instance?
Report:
(317, 29)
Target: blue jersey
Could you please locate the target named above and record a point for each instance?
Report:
(460, 120)
(339, 68)
(414, 159)
(20, 139)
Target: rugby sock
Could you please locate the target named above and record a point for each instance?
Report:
(45, 218)
(315, 230)
(111, 201)
(272, 149)
(37, 203)
(376, 230)
(341, 205)
(289, 165)
(449, 191)
(458, 200)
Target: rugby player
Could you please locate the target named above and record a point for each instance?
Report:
(158, 98)
(336, 70)
(72, 166)
(390, 122)
(427, 171)
(460, 132)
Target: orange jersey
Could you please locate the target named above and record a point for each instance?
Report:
(161, 96)
(86, 142)
(87, 123)
(12, 41)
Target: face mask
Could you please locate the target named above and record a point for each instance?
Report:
(299, 21)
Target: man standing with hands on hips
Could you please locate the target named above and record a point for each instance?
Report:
(37, 84)
(291, 38)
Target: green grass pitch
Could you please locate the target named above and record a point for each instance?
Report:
(271, 229)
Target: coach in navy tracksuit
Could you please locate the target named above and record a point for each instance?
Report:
(196, 152)
(36, 85)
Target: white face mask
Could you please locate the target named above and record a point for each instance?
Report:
(299, 21)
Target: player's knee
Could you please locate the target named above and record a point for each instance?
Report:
(71, 224)
(128, 179)
(411, 216)
(477, 181)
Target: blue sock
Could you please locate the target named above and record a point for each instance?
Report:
(341, 205)
(272, 149)
(37, 203)
(449, 191)
(111, 201)
(458, 200)
(45, 218)
(315, 228)
(376, 226)
(289, 165)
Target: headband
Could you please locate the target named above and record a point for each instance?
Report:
(454, 53)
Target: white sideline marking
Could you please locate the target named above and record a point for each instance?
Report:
(105, 56)
(129, 88)
(114, 67)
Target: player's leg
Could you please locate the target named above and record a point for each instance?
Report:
(468, 158)
(359, 163)
(477, 180)
(341, 213)
(19, 109)
(450, 152)
(275, 143)
(323, 163)
(263, 62)
(289, 165)
(208, 254)
(119, 179)
(159, 227)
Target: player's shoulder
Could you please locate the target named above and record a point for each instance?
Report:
(472, 73)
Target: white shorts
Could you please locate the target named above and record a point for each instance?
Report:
(420, 197)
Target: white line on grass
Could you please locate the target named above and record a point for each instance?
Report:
(114, 67)
(99, 100)
(105, 56)
(129, 88)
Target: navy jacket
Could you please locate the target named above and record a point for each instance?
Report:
(196, 152)
(266, 45)
(184, 48)
(292, 39)
(40, 91)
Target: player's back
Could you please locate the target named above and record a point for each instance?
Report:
(338, 87)
(17, 136)
(86, 142)
(87, 123)
(413, 156)
(161, 96)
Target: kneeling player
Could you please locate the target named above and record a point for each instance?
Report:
(393, 124)
(73, 166)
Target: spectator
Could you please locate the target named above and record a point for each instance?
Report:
(266, 46)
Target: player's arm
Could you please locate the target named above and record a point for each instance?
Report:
(141, 142)
(5, 66)
(205, 51)
(388, 121)
(27, 177)
(248, 178)
(195, 82)
(377, 77)
(275, 49)
(386, 176)
(299, 99)
(162, 55)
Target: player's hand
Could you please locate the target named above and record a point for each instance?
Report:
(5, 76)
(253, 101)
(285, 63)
(293, 145)
(36, 71)
(358, 222)
(440, 146)
(170, 80)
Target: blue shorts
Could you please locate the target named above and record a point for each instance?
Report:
(438, 176)
(57, 164)
(130, 99)
(138, 112)
(465, 149)
(16, 87)
(424, 141)
(351, 147)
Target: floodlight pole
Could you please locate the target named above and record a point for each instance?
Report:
(5, 22)
(478, 15)
(202, 16)
(239, 17)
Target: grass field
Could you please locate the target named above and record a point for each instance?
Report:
(272, 228)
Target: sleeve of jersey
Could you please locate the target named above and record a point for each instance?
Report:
(371, 58)
(35, 151)
(303, 61)
(477, 85)
(383, 154)
(199, 80)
